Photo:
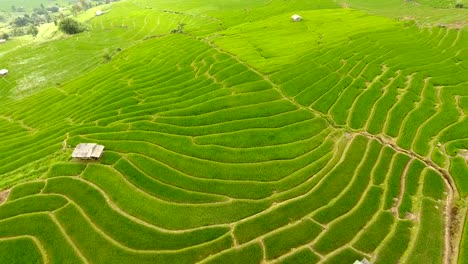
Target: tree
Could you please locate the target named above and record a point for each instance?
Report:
(13, 8)
(33, 30)
(459, 4)
(179, 29)
(22, 21)
(70, 26)
(17, 31)
(4, 35)
(76, 9)
(84, 5)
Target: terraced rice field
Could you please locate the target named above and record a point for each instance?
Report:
(248, 139)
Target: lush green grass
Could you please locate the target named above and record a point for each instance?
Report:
(28, 5)
(434, 185)
(42, 227)
(32, 204)
(291, 237)
(66, 169)
(412, 182)
(26, 189)
(424, 12)
(429, 243)
(397, 244)
(288, 212)
(373, 235)
(344, 229)
(459, 170)
(20, 245)
(301, 256)
(249, 254)
(351, 197)
(463, 257)
(344, 256)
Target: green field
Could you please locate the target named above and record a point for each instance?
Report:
(247, 138)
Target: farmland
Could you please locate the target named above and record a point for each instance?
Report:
(246, 138)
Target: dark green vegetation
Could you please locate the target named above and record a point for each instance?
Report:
(70, 26)
(234, 135)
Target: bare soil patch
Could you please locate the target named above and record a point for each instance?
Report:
(3, 196)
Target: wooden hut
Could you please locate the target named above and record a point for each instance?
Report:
(296, 18)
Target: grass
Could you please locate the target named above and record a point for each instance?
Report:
(393, 183)
(412, 183)
(291, 237)
(46, 231)
(22, 244)
(375, 233)
(434, 185)
(464, 245)
(247, 137)
(339, 233)
(301, 256)
(248, 254)
(26, 189)
(397, 244)
(459, 169)
(429, 244)
(350, 198)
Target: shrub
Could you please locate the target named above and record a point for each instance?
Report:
(4, 35)
(179, 29)
(70, 26)
(53, 9)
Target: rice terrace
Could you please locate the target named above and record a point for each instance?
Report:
(234, 131)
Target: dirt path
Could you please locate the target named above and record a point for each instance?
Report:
(4, 196)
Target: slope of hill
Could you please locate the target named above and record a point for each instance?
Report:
(247, 138)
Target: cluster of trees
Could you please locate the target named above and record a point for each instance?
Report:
(70, 26)
(4, 35)
(28, 23)
(25, 25)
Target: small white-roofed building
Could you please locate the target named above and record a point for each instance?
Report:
(296, 17)
(2, 41)
(3, 72)
(87, 151)
(99, 13)
(363, 261)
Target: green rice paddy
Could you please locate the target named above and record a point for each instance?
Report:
(246, 139)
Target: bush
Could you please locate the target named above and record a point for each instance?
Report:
(4, 35)
(70, 26)
(33, 30)
(179, 29)
(459, 5)
(53, 9)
